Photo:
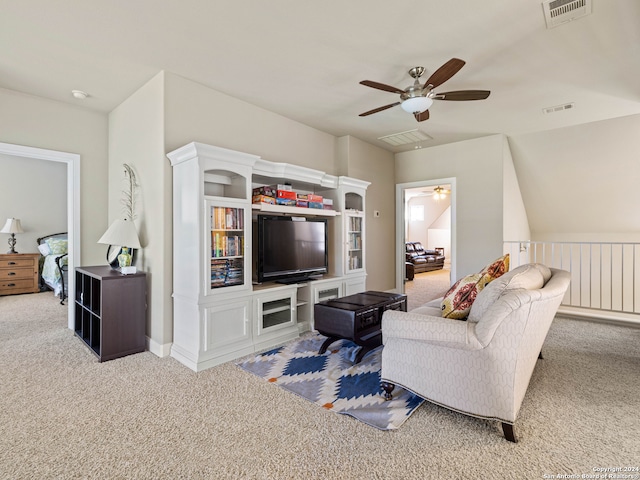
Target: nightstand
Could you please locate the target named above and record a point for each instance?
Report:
(19, 273)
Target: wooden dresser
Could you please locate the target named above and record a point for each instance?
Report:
(19, 273)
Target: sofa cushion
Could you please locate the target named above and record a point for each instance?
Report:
(529, 277)
(418, 248)
(431, 308)
(458, 300)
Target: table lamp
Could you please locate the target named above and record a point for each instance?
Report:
(12, 226)
(122, 239)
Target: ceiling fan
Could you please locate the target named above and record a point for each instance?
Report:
(438, 193)
(418, 98)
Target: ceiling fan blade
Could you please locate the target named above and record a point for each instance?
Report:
(463, 95)
(445, 72)
(381, 86)
(422, 116)
(379, 109)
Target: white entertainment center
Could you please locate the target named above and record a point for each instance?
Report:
(219, 314)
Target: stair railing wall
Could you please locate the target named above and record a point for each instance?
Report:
(605, 277)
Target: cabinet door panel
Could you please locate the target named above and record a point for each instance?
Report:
(275, 311)
(354, 285)
(227, 266)
(227, 324)
(354, 254)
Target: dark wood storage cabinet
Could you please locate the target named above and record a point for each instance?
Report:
(110, 311)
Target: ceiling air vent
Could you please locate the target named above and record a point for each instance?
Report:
(559, 108)
(405, 138)
(557, 12)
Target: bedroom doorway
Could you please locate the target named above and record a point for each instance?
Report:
(72, 162)
(420, 217)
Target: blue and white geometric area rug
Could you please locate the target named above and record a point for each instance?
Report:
(332, 380)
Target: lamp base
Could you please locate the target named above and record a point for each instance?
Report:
(12, 243)
(113, 251)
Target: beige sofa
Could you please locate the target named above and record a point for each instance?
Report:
(480, 367)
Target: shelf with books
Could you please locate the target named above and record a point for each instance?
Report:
(354, 226)
(227, 227)
(227, 272)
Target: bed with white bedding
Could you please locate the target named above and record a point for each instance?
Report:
(53, 263)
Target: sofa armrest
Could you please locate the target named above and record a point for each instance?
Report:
(428, 329)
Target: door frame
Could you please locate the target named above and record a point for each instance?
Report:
(400, 225)
(72, 161)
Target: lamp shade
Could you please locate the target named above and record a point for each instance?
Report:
(122, 233)
(416, 104)
(12, 226)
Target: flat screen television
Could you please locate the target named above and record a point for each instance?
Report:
(291, 249)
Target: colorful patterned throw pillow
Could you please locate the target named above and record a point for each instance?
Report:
(495, 269)
(457, 301)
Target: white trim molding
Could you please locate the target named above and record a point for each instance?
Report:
(400, 222)
(73, 205)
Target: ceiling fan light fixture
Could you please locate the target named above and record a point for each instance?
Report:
(79, 94)
(416, 104)
(439, 193)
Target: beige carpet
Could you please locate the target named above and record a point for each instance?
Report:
(63, 415)
(426, 286)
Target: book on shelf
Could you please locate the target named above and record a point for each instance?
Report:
(355, 224)
(226, 245)
(227, 272)
(227, 218)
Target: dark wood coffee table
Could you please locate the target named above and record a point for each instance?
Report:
(357, 318)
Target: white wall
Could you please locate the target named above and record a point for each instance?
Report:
(515, 222)
(136, 137)
(477, 166)
(195, 113)
(35, 191)
(36, 122)
(418, 231)
(439, 234)
(364, 161)
(581, 183)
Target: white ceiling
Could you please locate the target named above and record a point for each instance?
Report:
(304, 60)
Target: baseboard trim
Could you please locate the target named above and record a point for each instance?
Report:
(600, 316)
(158, 349)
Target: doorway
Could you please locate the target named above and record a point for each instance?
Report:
(72, 162)
(423, 218)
